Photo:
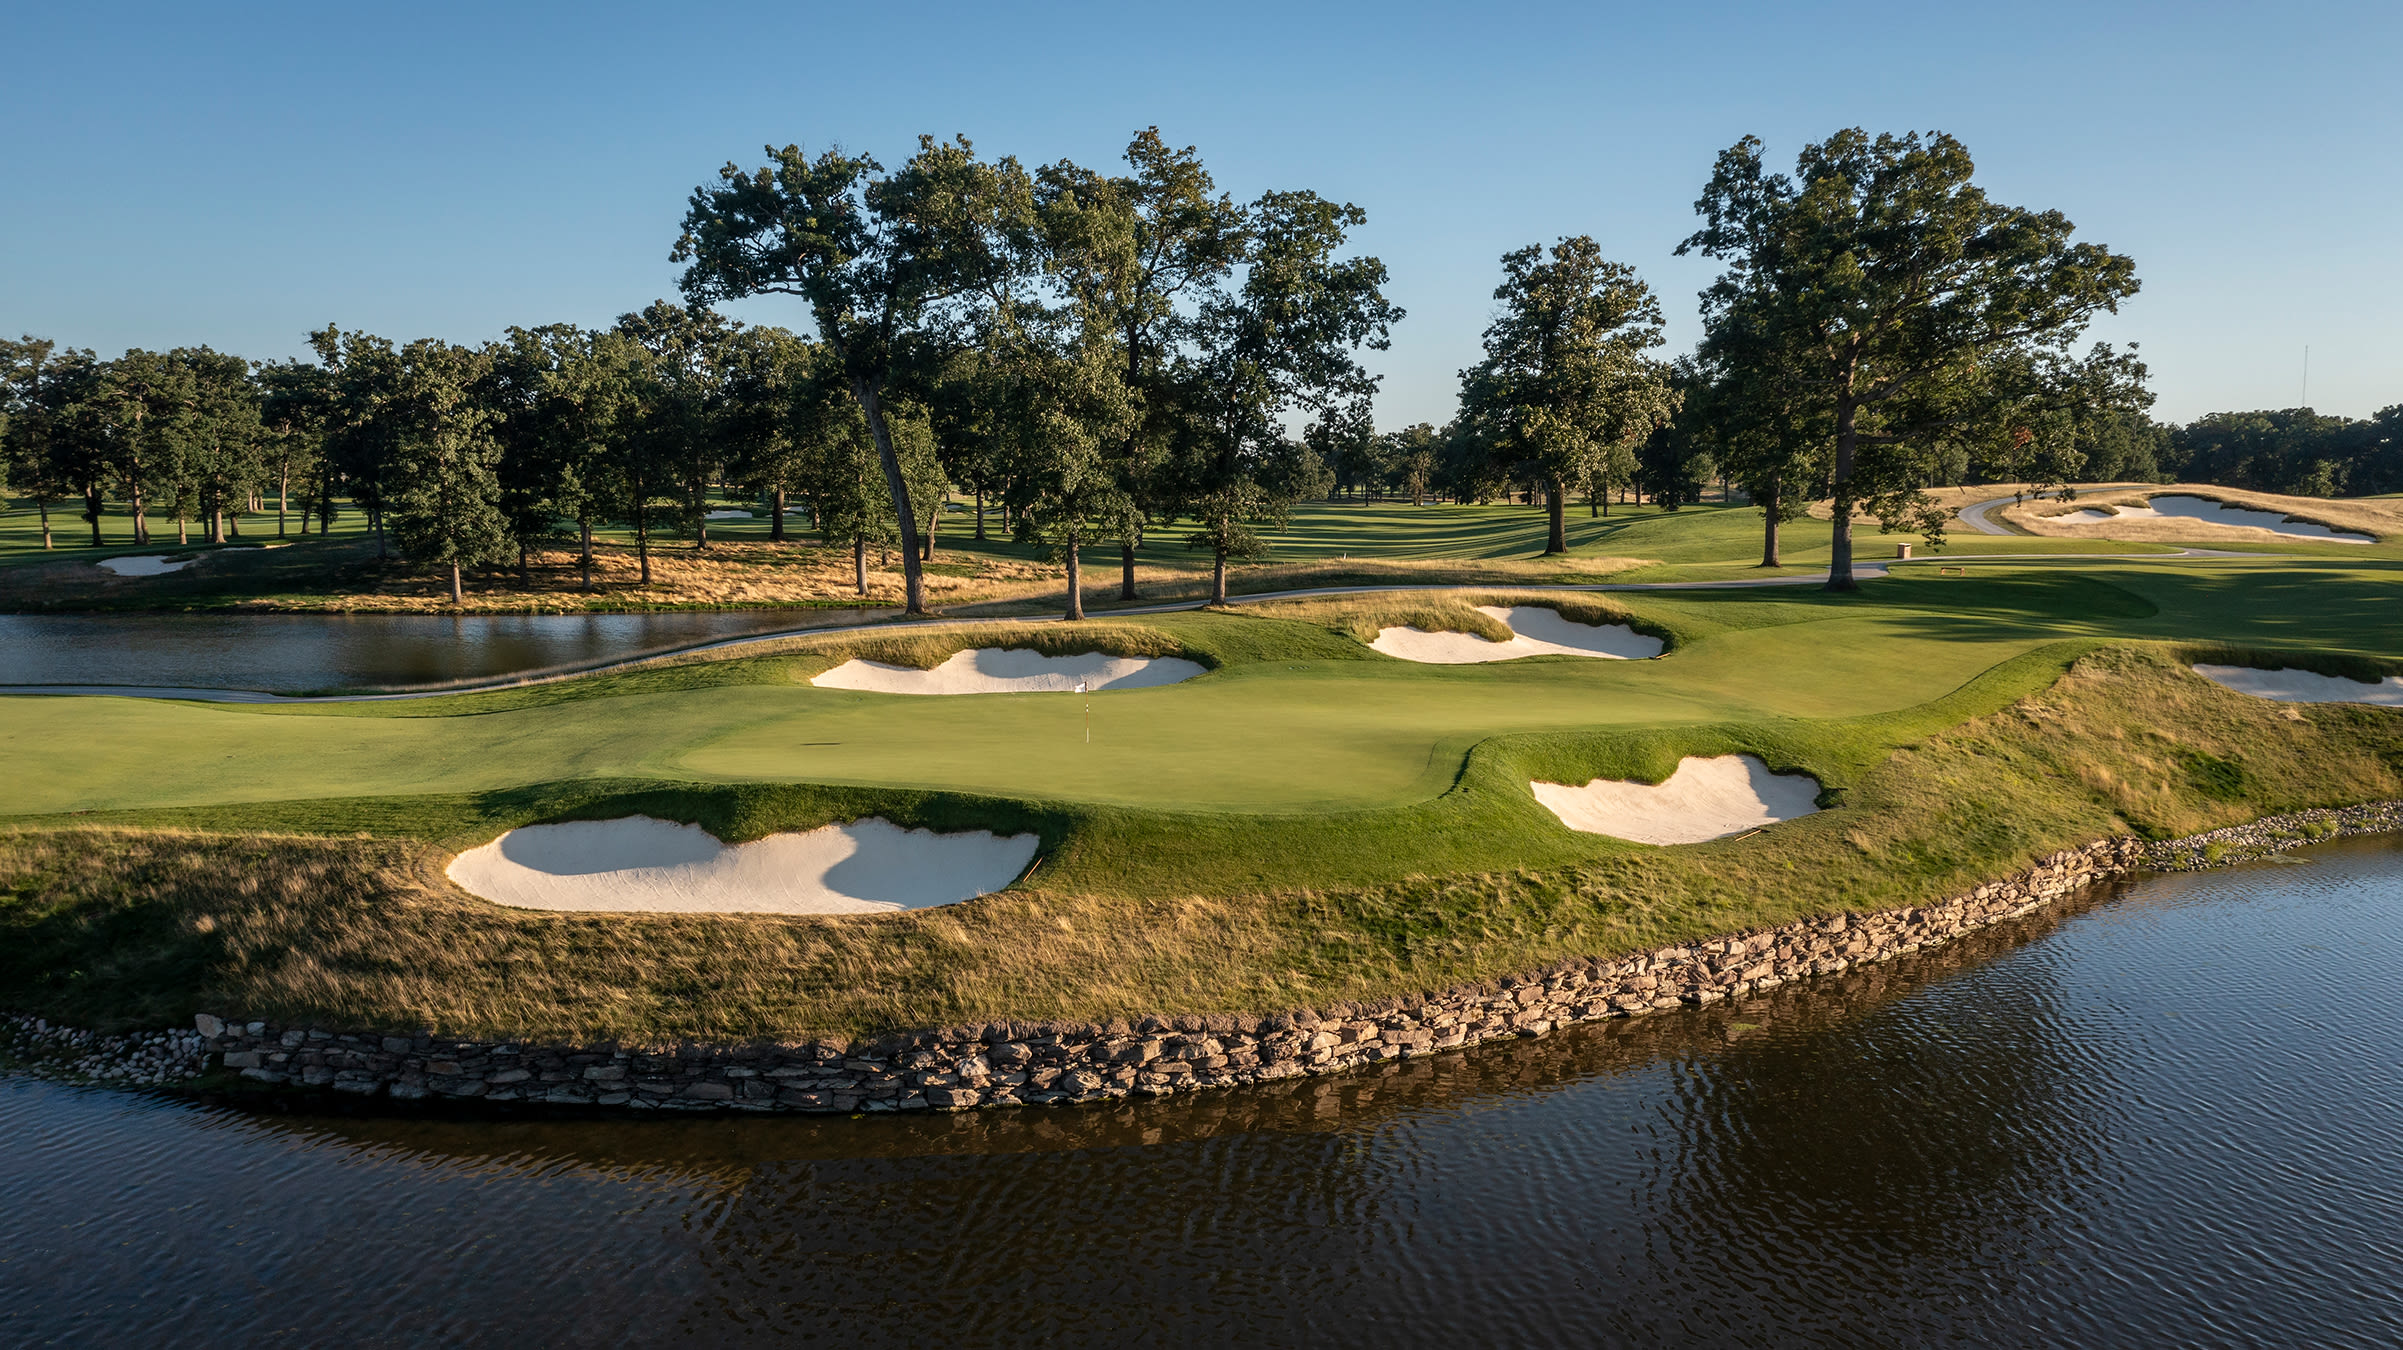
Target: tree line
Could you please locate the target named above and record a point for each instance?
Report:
(1101, 358)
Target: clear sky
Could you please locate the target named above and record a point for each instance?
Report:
(238, 175)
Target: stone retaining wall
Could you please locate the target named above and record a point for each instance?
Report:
(1046, 1063)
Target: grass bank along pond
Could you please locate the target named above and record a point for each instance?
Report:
(1306, 824)
(2164, 1113)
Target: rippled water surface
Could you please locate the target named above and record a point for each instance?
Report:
(293, 652)
(2170, 1117)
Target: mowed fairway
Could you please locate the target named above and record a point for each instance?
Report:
(1258, 735)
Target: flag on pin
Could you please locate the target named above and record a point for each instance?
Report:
(1080, 686)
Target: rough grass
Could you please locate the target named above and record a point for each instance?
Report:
(113, 927)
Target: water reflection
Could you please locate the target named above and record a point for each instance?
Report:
(288, 653)
(2172, 1117)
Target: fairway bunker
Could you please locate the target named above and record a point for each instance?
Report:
(999, 670)
(637, 864)
(1704, 799)
(2305, 686)
(2178, 506)
(145, 566)
(1535, 631)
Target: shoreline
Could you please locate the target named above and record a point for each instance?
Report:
(1053, 1063)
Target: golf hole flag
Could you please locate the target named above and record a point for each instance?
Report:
(1080, 686)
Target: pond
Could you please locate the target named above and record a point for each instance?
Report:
(289, 653)
(2170, 1115)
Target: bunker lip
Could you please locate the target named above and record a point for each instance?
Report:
(1536, 630)
(1705, 799)
(144, 565)
(1002, 670)
(2304, 686)
(639, 864)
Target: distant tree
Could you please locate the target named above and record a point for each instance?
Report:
(1141, 252)
(687, 348)
(295, 401)
(37, 382)
(1565, 376)
(363, 424)
(1284, 342)
(1888, 280)
(446, 490)
(878, 260)
(222, 439)
(764, 371)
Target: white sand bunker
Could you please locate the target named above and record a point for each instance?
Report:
(1704, 799)
(2303, 686)
(639, 864)
(995, 670)
(1536, 631)
(729, 515)
(2178, 506)
(146, 566)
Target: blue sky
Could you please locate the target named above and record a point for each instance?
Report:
(240, 175)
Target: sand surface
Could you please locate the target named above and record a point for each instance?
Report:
(729, 515)
(2304, 686)
(1704, 799)
(146, 566)
(2178, 506)
(1537, 631)
(996, 670)
(638, 864)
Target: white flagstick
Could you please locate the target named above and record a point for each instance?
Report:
(1082, 688)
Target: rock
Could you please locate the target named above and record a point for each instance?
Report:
(708, 1092)
(208, 1026)
(241, 1059)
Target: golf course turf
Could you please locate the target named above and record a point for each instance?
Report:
(1307, 821)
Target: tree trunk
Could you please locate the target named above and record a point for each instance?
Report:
(584, 528)
(1557, 496)
(91, 509)
(913, 582)
(456, 597)
(283, 493)
(1839, 556)
(1769, 532)
(1218, 577)
(42, 504)
(141, 515)
(933, 524)
(980, 515)
(183, 531)
(1126, 570)
(376, 517)
(525, 571)
(642, 542)
(859, 562)
(776, 521)
(1076, 581)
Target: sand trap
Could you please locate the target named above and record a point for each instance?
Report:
(2177, 506)
(639, 864)
(2303, 686)
(995, 670)
(729, 515)
(146, 566)
(1704, 799)
(1537, 631)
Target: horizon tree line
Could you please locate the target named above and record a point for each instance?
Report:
(1102, 356)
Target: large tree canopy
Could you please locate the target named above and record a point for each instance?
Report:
(1881, 288)
(1566, 381)
(877, 259)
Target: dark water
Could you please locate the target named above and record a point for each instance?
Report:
(2174, 1117)
(292, 652)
